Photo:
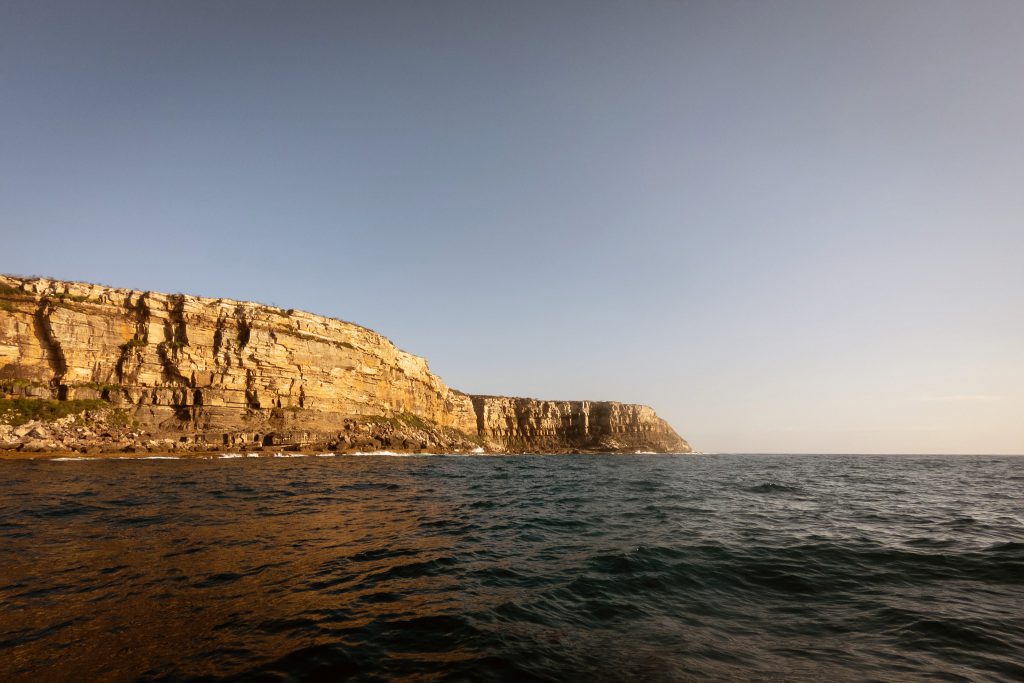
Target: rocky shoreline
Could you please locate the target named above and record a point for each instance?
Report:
(110, 431)
(104, 434)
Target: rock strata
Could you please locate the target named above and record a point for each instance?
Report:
(178, 372)
(530, 425)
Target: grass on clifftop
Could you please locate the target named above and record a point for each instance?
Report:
(18, 411)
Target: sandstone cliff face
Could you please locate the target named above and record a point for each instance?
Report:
(242, 370)
(528, 425)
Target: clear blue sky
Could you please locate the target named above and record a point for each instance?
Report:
(788, 226)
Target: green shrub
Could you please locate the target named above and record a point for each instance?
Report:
(78, 298)
(134, 344)
(414, 421)
(12, 385)
(17, 411)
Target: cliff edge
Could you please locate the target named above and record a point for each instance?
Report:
(91, 368)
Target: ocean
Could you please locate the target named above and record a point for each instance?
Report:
(554, 568)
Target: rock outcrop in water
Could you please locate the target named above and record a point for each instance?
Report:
(191, 373)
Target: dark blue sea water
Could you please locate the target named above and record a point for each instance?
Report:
(560, 568)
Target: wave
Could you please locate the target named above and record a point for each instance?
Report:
(773, 487)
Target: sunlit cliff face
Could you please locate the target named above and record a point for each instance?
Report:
(225, 372)
(186, 352)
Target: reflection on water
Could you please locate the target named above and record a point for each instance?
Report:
(655, 567)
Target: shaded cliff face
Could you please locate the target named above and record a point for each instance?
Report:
(240, 370)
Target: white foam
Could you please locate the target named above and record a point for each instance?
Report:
(252, 455)
(290, 455)
(231, 455)
(325, 455)
(393, 454)
(160, 457)
(65, 459)
(478, 449)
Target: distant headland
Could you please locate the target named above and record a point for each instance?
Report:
(91, 369)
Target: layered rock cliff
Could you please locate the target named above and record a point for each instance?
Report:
(217, 372)
(531, 425)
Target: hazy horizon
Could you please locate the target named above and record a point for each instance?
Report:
(791, 227)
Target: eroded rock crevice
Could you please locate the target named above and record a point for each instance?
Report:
(52, 351)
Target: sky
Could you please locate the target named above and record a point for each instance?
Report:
(786, 226)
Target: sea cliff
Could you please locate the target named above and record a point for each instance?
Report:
(91, 368)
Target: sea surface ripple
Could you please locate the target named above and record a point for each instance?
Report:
(726, 567)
